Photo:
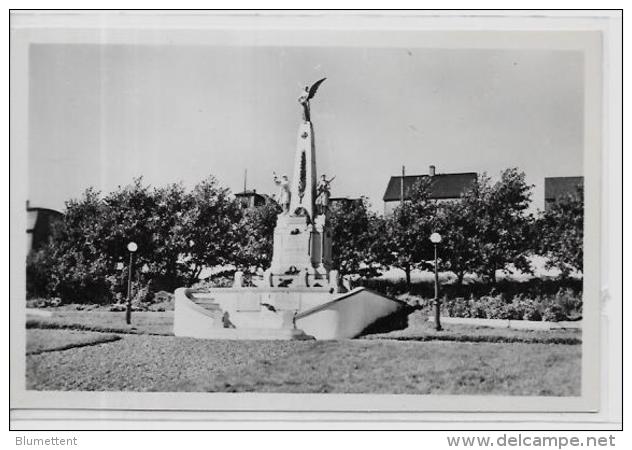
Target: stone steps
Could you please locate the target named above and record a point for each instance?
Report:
(207, 303)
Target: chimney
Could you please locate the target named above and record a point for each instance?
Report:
(431, 171)
(401, 185)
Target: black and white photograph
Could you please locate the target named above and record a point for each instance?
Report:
(407, 218)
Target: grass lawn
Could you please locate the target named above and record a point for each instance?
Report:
(167, 363)
(97, 351)
(159, 323)
(419, 329)
(40, 341)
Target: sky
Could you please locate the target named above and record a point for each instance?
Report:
(100, 115)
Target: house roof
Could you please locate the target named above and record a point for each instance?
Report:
(443, 186)
(249, 193)
(345, 199)
(555, 187)
(52, 212)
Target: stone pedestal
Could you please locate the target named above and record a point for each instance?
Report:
(321, 252)
(292, 241)
(300, 246)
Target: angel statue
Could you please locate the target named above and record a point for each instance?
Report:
(306, 96)
(323, 193)
(284, 192)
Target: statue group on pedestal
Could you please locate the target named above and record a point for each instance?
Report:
(323, 193)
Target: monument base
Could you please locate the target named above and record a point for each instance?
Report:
(299, 295)
(278, 313)
(300, 257)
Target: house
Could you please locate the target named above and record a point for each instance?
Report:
(250, 199)
(443, 187)
(39, 223)
(344, 201)
(558, 187)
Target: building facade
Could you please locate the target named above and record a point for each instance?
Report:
(558, 187)
(39, 223)
(444, 187)
(250, 199)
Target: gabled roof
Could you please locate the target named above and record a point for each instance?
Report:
(555, 187)
(52, 212)
(248, 193)
(443, 186)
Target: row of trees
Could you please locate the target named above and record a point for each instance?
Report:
(180, 232)
(488, 229)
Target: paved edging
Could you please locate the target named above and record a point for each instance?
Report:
(514, 324)
(38, 312)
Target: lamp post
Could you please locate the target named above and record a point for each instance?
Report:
(131, 247)
(435, 238)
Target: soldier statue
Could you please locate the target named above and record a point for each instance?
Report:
(284, 192)
(323, 192)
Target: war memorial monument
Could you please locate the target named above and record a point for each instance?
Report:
(299, 296)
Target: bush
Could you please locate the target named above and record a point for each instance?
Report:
(543, 287)
(43, 302)
(83, 285)
(554, 313)
(457, 307)
(38, 274)
(530, 309)
(216, 281)
(564, 305)
(570, 303)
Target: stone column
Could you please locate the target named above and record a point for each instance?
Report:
(239, 279)
(304, 164)
(333, 280)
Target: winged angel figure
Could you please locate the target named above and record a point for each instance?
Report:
(306, 96)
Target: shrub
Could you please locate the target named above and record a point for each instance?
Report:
(457, 307)
(43, 302)
(570, 303)
(554, 313)
(508, 288)
(38, 274)
(83, 284)
(221, 280)
(565, 305)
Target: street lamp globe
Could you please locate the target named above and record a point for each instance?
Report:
(435, 238)
(132, 247)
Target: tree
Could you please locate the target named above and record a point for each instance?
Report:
(457, 224)
(350, 224)
(256, 233)
(80, 270)
(171, 234)
(128, 214)
(561, 233)
(212, 227)
(177, 232)
(502, 224)
(404, 241)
